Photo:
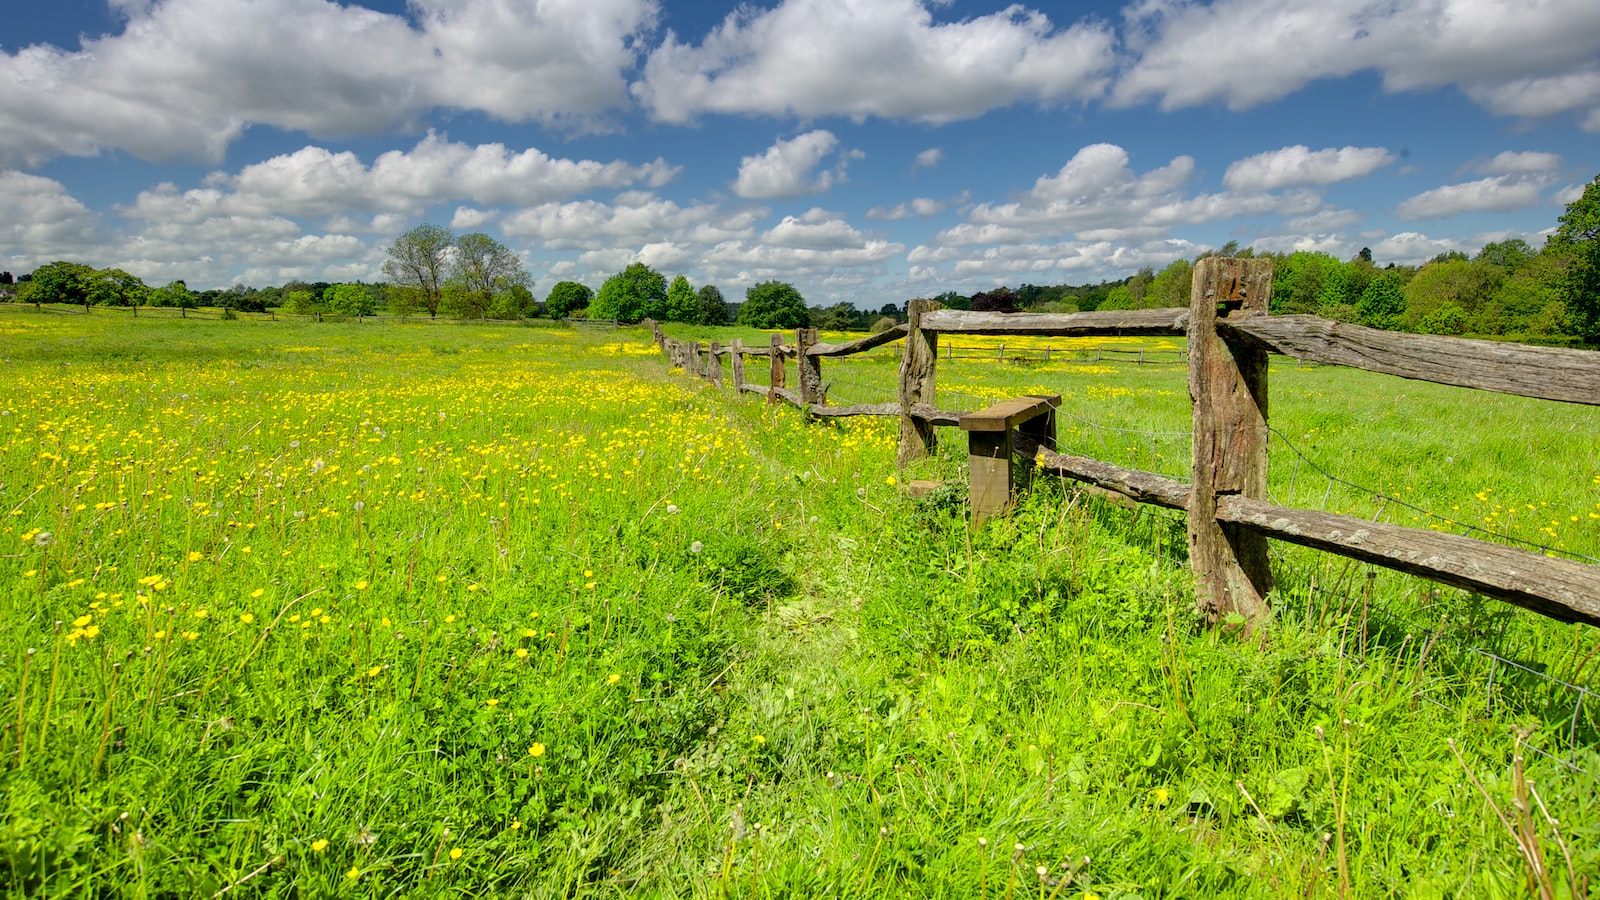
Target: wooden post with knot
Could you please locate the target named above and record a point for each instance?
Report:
(777, 369)
(1228, 386)
(810, 367)
(918, 366)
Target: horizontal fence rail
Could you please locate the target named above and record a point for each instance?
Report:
(1229, 336)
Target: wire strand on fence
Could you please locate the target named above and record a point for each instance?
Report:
(1387, 498)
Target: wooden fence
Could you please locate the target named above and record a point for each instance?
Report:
(1229, 337)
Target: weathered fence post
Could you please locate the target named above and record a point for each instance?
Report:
(736, 357)
(1228, 385)
(716, 363)
(918, 367)
(810, 367)
(777, 369)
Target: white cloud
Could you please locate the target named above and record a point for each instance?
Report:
(1529, 162)
(314, 181)
(468, 219)
(1538, 97)
(887, 58)
(1499, 193)
(1411, 248)
(1300, 165)
(919, 206)
(185, 78)
(635, 218)
(928, 158)
(41, 222)
(1096, 193)
(1516, 58)
(787, 168)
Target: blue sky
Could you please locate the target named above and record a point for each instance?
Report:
(864, 150)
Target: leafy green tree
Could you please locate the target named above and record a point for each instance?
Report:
(1579, 234)
(418, 264)
(1118, 297)
(1533, 298)
(1171, 286)
(774, 304)
(838, 317)
(174, 294)
(57, 282)
(1297, 281)
(481, 268)
(1383, 301)
(681, 302)
(114, 287)
(710, 308)
(631, 295)
(565, 298)
(515, 302)
(351, 300)
(953, 300)
(1453, 281)
(1510, 255)
(998, 300)
(301, 303)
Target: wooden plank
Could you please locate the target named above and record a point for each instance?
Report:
(1082, 324)
(918, 367)
(1008, 414)
(1559, 588)
(1145, 487)
(779, 393)
(1548, 373)
(925, 412)
(776, 380)
(859, 409)
(1228, 385)
(860, 344)
(736, 357)
(989, 467)
(810, 367)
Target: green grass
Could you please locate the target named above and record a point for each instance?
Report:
(728, 657)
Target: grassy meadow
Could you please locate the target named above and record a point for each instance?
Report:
(300, 609)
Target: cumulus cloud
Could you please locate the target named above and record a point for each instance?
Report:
(633, 219)
(1529, 162)
(40, 222)
(787, 168)
(1300, 165)
(1097, 194)
(314, 181)
(1524, 59)
(921, 206)
(1499, 193)
(185, 78)
(928, 158)
(889, 59)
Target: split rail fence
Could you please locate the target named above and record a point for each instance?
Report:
(1229, 520)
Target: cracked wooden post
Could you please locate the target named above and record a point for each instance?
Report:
(736, 358)
(716, 363)
(777, 369)
(1228, 385)
(810, 367)
(918, 367)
